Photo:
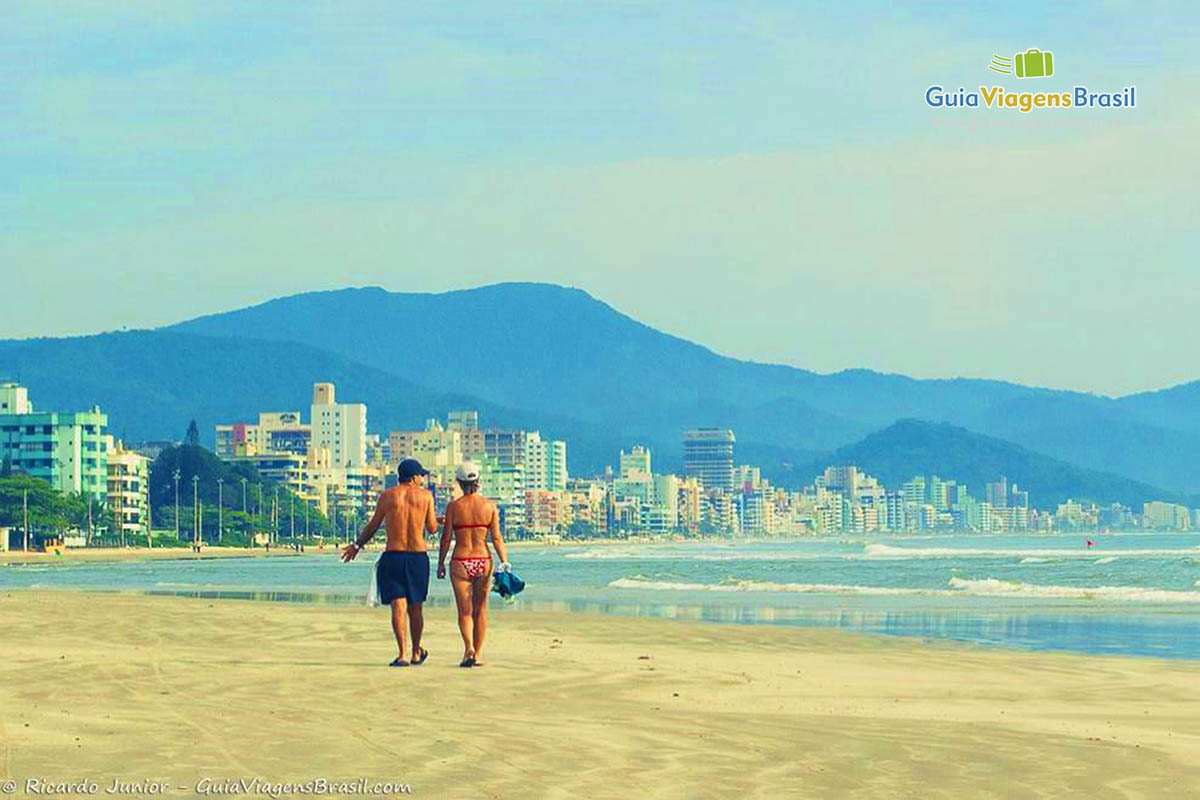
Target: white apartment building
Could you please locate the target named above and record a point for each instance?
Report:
(128, 488)
(339, 427)
(545, 464)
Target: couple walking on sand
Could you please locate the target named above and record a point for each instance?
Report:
(402, 574)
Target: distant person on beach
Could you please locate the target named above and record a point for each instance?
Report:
(402, 575)
(472, 520)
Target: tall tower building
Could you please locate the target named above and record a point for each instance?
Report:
(708, 456)
(635, 462)
(915, 491)
(462, 420)
(67, 450)
(341, 428)
(997, 493)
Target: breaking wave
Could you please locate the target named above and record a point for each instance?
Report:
(990, 587)
(958, 587)
(745, 555)
(768, 586)
(889, 551)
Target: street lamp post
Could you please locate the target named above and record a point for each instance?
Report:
(196, 513)
(149, 512)
(176, 476)
(25, 511)
(292, 515)
(220, 508)
(243, 495)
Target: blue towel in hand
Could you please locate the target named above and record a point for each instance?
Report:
(507, 584)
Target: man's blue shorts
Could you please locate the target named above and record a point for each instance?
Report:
(403, 575)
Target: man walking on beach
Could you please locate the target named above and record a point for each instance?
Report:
(402, 575)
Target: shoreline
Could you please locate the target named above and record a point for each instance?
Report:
(103, 554)
(97, 555)
(126, 685)
(317, 599)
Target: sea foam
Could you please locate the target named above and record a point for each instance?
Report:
(889, 551)
(958, 587)
(768, 586)
(991, 587)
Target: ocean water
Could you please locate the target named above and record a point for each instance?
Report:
(1129, 594)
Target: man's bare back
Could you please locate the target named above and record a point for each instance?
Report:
(408, 512)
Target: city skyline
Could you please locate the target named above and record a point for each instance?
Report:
(206, 157)
(334, 465)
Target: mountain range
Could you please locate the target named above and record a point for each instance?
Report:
(915, 447)
(557, 359)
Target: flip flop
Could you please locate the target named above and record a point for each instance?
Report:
(467, 662)
(398, 663)
(416, 662)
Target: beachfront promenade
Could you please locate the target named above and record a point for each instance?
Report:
(573, 706)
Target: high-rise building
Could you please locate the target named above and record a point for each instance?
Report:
(339, 427)
(635, 462)
(894, 512)
(841, 479)
(1157, 515)
(708, 456)
(14, 399)
(914, 491)
(689, 504)
(747, 478)
(462, 420)
(472, 439)
(545, 463)
(507, 447)
(546, 512)
(67, 450)
(997, 493)
(128, 488)
(941, 493)
(438, 449)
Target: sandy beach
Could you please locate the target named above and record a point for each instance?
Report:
(104, 686)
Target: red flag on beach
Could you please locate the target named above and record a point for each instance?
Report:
(1090, 542)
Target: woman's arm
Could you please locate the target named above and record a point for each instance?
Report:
(447, 527)
(497, 541)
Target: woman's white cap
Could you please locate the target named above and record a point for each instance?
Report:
(467, 471)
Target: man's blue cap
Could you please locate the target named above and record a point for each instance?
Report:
(410, 467)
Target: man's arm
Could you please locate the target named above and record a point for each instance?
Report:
(431, 521)
(368, 532)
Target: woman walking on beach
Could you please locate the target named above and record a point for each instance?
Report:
(472, 520)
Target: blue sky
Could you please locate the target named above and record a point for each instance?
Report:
(762, 178)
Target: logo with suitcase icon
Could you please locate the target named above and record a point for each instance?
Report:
(1033, 63)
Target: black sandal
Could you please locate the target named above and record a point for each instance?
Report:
(398, 662)
(467, 662)
(416, 662)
